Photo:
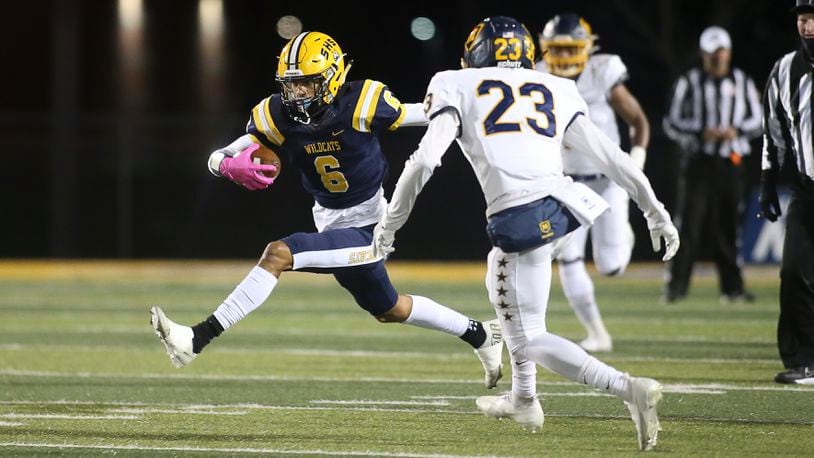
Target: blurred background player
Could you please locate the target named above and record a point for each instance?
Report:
(503, 114)
(568, 47)
(714, 112)
(789, 138)
(327, 129)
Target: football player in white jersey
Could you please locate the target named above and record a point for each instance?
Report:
(511, 123)
(568, 49)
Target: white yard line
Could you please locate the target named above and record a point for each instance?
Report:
(49, 416)
(370, 409)
(265, 451)
(373, 402)
(318, 352)
(182, 411)
(11, 423)
(304, 378)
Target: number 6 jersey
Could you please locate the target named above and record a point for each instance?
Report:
(512, 125)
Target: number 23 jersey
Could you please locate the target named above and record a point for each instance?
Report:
(512, 126)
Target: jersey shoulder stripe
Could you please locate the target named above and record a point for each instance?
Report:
(366, 105)
(262, 118)
(396, 105)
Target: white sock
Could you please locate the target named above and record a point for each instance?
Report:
(579, 290)
(568, 359)
(599, 375)
(247, 296)
(524, 379)
(427, 313)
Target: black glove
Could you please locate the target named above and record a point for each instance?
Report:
(769, 203)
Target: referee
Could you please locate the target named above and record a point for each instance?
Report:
(788, 140)
(714, 112)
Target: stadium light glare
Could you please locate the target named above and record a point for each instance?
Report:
(210, 17)
(422, 28)
(289, 26)
(130, 14)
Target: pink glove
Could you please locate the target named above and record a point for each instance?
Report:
(243, 171)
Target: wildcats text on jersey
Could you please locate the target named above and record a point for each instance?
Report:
(323, 147)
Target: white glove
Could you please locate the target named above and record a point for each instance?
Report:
(383, 241)
(670, 235)
(639, 155)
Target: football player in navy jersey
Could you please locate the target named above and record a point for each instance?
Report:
(327, 129)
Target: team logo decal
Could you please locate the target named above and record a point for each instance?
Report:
(545, 229)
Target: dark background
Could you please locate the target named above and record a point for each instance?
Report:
(105, 131)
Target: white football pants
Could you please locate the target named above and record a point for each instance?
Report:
(519, 286)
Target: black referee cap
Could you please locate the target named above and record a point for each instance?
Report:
(803, 6)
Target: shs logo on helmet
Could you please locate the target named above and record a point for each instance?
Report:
(567, 42)
(499, 42)
(310, 71)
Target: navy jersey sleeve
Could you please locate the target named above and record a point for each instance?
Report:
(377, 109)
(262, 128)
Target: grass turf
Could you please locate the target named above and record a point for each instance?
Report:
(310, 374)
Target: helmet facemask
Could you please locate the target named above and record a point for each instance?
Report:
(567, 43)
(306, 96)
(566, 57)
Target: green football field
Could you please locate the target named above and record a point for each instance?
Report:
(81, 372)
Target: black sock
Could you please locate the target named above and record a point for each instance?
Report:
(475, 335)
(204, 332)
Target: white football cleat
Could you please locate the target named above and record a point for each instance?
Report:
(597, 344)
(177, 339)
(646, 393)
(490, 353)
(527, 412)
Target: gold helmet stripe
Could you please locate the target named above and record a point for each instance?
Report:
(294, 51)
(263, 120)
(366, 105)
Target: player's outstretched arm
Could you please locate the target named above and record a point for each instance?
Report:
(583, 136)
(414, 115)
(417, 171)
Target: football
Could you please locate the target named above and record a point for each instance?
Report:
(264, 155)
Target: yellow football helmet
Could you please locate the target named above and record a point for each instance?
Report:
(567, 42)
(311, 70)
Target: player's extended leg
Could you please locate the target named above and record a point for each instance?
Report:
(522, 299)
(184, 343)
(371, 288)
(579, 290)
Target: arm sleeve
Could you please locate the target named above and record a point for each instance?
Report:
(414, 115)
(584, 137)
(774, 123)
(418, 169)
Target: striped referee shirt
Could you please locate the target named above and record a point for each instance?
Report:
(701, 101)
(787, 127)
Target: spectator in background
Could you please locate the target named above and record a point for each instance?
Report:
(788, 136)
(714, 112)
